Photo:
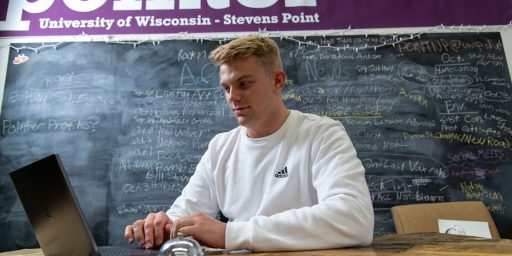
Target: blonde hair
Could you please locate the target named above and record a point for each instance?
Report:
(264, 48)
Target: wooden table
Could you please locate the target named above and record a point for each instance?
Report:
(421, 244)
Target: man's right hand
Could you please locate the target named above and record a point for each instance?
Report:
(150, 232)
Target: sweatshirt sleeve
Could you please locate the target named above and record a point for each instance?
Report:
(198, 195)
(343, 216)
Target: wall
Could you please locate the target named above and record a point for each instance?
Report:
(131, 120)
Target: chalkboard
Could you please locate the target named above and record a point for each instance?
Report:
(429, 116)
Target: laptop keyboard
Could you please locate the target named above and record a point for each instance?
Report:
(122, 251)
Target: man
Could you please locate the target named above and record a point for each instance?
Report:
(285, 179)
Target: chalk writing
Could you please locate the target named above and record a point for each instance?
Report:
(429, 118)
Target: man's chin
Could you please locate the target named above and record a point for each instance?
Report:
(241, 120)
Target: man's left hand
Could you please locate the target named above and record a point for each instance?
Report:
(204, 228)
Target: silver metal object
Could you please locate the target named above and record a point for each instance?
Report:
(181, 246)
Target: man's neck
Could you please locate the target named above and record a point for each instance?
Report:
(267, 130)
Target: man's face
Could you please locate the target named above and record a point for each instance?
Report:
(251, 92)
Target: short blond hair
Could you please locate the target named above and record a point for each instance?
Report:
(262, 47)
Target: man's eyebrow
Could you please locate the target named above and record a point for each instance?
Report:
(242, 77)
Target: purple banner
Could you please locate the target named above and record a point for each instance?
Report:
(117, 17)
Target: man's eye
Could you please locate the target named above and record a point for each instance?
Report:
(226, 88)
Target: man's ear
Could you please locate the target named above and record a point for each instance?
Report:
(279, 79)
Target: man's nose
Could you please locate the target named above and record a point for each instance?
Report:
(234, 94)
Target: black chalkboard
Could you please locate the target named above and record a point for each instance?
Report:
(429, 117)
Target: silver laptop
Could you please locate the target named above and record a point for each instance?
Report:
(53, 210)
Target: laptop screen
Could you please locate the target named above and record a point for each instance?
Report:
(51, 206)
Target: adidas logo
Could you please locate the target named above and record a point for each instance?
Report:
(282, 173)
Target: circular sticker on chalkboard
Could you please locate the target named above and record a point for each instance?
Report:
(20, 59)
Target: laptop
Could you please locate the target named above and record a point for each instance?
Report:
(54, 213)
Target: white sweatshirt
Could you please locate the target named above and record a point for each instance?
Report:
(301, 188)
